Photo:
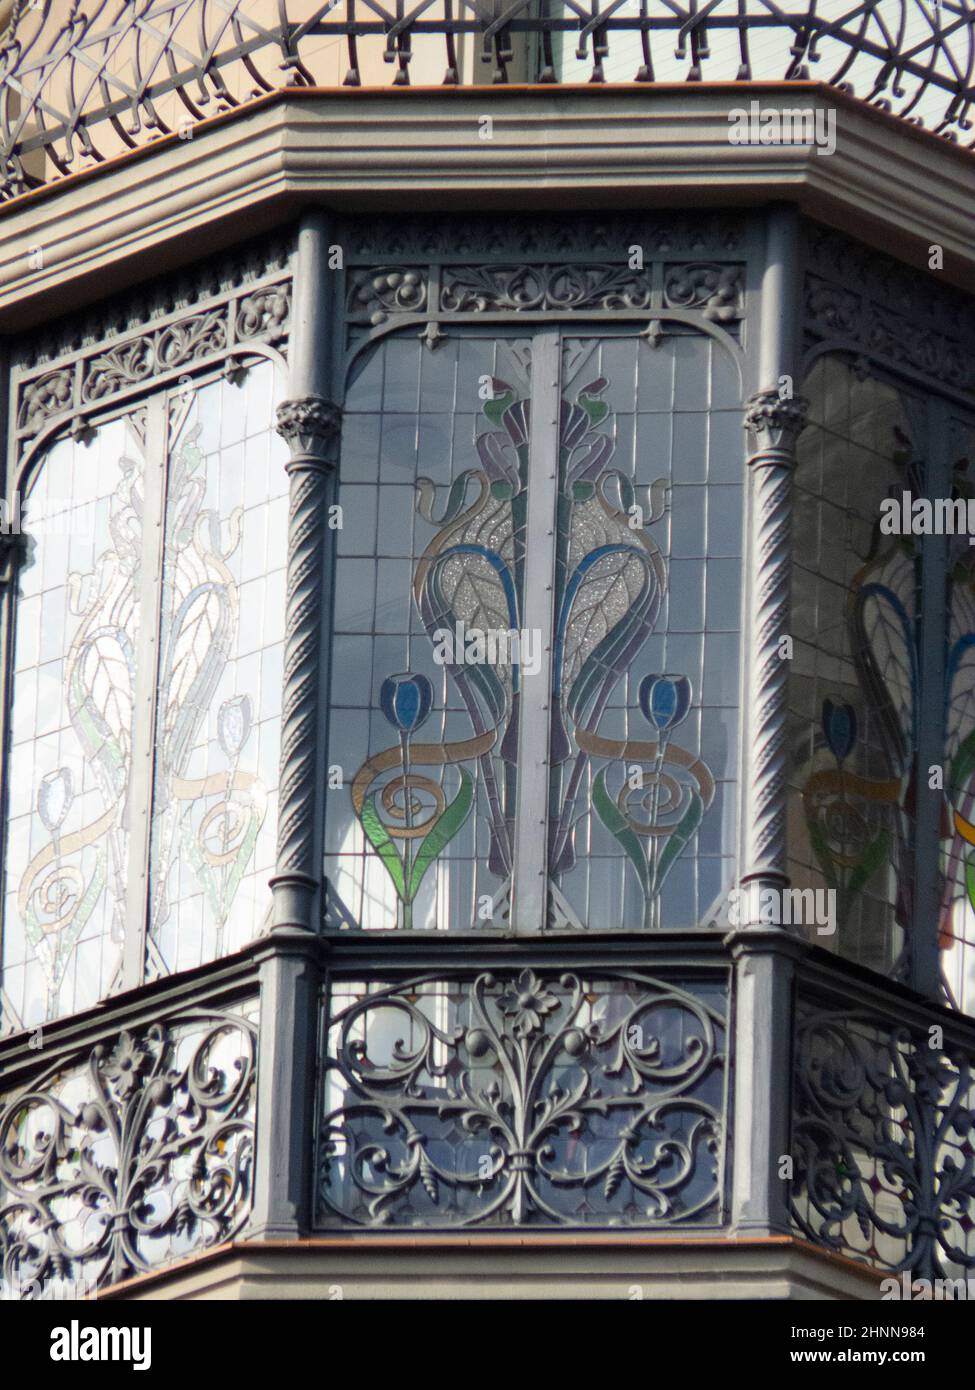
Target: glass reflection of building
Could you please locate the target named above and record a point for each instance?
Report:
(436, 635)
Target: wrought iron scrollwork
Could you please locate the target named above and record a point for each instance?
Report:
(888, 313)
(117, 1161)
(113, 368)
(521, 287)
(713, 289)
(524, 1099)
(882, 1143)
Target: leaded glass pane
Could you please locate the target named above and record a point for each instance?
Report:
(854, 682)
(220, 671)
(644, 744)
(75, 657)
(424, 723)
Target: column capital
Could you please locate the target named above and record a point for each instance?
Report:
(310, 426)
(776, 421)
(13, 551)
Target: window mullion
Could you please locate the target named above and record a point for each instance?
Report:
(139, 797)
(925, 965)
(529, 877)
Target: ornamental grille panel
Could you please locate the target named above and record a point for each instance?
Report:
(526, 1097)
(127, 1155)
(884, 1166)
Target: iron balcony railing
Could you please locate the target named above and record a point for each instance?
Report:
(604, 1087)
(80, 84)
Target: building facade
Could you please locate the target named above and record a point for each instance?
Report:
(488, 634)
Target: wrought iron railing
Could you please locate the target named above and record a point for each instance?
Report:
(127, 1137)
(80, 84)
(883, 1116)
(508, 1094)
(523, 1097)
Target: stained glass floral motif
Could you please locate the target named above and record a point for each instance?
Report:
(86, 648)
(855, 683)
(434, 811)
(435, 814)
(629, 788)
(75, 657)
(219, 675)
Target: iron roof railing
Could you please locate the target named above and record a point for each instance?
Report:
(78, 84)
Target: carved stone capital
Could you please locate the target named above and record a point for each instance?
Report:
(776, 421)
(310, 426)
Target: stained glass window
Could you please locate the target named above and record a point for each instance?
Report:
(422, 779)
(147, 671)
(78, 620)
(854, 682)
(220, 672)
(470, 482)
(645, 715)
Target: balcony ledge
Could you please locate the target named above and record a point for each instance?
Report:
(517, 1266)
(611, 147)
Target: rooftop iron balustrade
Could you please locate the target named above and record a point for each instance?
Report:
(78, 85)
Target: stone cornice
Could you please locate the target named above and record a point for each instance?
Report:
(626, 146)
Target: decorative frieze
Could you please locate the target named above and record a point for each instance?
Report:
(894, 314)
(160, 331)
(544, 237)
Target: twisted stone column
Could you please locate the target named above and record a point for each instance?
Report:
(311, 428)
(774, 423)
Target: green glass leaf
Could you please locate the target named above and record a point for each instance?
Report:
(494, 409)
(970, 878)
(378, 837)
(618, 826)
(678, 838)
(823, 853)
(596, 409)
(872, 858)
(443, 830)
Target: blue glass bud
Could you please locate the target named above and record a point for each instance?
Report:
(840, 728)
(665, 700)
(406, 700)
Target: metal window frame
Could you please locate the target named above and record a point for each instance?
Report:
(605, 296)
